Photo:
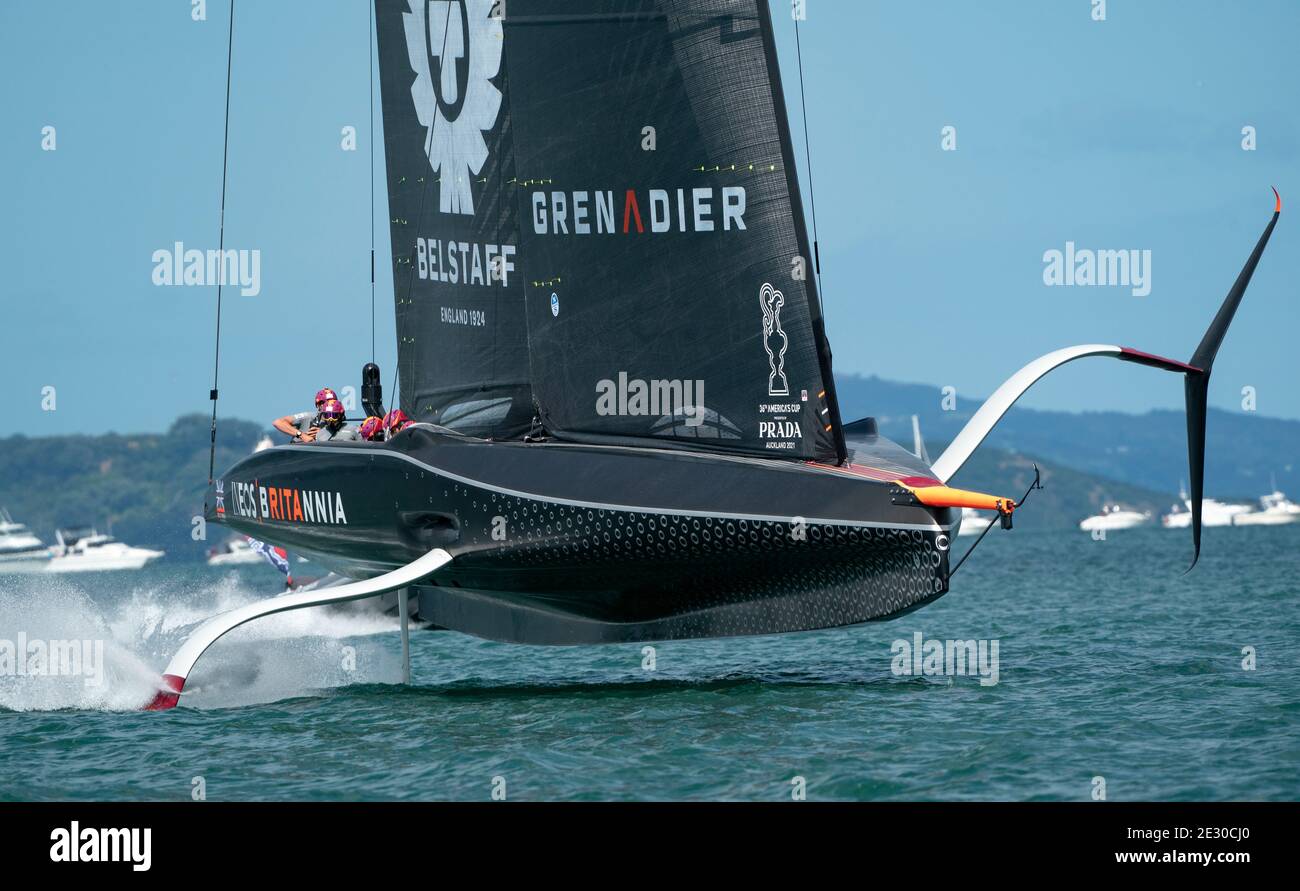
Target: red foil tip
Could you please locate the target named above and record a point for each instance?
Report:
(168, 697)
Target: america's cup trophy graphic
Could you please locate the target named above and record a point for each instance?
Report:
(774, 339)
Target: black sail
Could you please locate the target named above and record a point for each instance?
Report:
(462, 335)
(635, 156)
(663, 234)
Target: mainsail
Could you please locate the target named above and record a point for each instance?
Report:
(462, 338)
(634, 155)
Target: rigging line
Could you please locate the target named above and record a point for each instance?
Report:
(370, 58)
(419, 218)
(807, 151)
(1033, 486)
(221, 244)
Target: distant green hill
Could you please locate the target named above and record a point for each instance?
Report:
(1148, 450)
(147, 486)
(1067, 495)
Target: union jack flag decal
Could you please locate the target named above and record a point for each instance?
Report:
(277, 557)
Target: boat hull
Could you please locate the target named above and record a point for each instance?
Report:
(564, 544)
(23, 562)
(1265, 518)
(1213, 513)
(236, 558)
(1111, 523)
(974, 523)
(80, 563)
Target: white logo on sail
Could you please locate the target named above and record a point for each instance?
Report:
(465, 39)
(774, 339)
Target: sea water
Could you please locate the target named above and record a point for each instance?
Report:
(1117, 676)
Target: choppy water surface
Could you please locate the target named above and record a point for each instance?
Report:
(1110, 663)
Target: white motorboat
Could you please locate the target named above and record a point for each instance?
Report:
(973, 522)
(1112, 517)
(234, 552)
(20, 550)
(86, 550)
(1213, 513)
(1275, 509)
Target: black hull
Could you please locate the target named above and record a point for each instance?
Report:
(571, 544)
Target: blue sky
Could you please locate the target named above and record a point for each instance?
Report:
(1119, 134)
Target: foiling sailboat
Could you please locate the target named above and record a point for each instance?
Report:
(610, 334)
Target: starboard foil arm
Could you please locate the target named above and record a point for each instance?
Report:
(182, 663)
(997, 405)
(1196, 386)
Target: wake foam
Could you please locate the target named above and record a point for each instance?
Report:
(136, 630)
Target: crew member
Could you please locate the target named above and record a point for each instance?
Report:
(395, 422)
(372, 429)
(303, 426)
(333, 423)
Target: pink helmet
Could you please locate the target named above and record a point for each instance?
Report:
(325, 395)
(371, 427)
(332, 412)
(394, 421)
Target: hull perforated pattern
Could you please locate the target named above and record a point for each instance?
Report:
(627, 575)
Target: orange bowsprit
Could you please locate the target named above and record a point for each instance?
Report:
(946, 496)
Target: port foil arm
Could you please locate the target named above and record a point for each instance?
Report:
(181, 664)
